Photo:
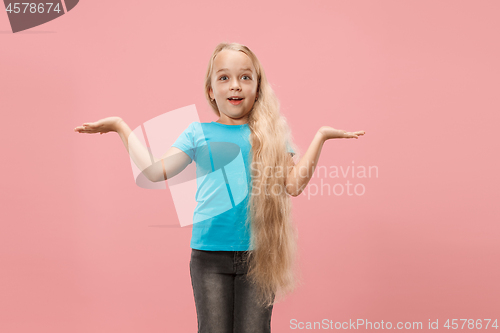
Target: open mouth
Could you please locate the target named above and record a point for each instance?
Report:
(235, 101)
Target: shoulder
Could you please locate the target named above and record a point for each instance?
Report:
(194, 127)
(197, 130)
(194, 124)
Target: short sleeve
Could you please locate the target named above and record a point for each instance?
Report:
(185, 141)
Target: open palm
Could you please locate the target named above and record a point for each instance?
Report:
(332, 133)
(104, 125)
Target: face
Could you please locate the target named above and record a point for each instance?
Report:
(233, 75)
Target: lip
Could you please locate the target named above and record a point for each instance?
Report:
(235, 102)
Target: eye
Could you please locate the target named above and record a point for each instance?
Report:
(222, 77)
(247, 77)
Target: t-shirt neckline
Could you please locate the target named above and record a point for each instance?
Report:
(225, 125)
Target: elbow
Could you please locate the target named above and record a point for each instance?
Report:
(294, 189)
(155, 180)
(291, 190)
(158, 177)
(156, 172)
(152, 175)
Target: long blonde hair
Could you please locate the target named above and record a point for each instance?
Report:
(272, 263)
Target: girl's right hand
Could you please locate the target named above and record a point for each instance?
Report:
(104, 125)
(331, 133)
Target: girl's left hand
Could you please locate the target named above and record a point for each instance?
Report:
(331, 133)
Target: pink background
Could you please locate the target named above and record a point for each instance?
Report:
(83, 249)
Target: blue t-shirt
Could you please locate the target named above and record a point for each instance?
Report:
(223, 155)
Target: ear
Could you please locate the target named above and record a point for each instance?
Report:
(211, 93)
(258, 88)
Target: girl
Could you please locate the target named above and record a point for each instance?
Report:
(242, 260)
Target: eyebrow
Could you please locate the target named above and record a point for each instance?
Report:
(243, 69)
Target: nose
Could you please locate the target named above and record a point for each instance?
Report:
(235, 85)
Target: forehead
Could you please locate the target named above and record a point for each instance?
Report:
(232, 60)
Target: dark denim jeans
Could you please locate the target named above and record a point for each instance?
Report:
(224, 298)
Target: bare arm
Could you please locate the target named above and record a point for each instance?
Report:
(155, 169)
(300, 174)
(139, 154)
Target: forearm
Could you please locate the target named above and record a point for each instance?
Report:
(139, 154)
(301, 173)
